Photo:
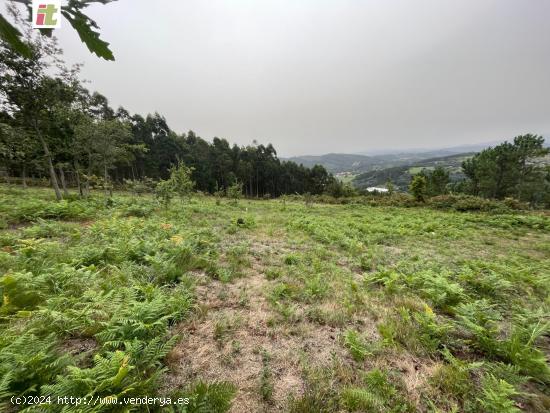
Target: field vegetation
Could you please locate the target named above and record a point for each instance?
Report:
(273, 305)
(166, 265)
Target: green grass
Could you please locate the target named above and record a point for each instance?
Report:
(462, 296)
(417, 169)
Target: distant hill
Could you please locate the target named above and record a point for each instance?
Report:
(354, 164)
(435, 152)
(335, 162)
(357, 166)
(401, 175)
(340, 163)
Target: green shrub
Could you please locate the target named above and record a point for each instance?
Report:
(291, 259)
(21, 291)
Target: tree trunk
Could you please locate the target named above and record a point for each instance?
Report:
(24, 175)
(63, 183)
(48, 155)
(105, 178)
(77, 177)
(89, 174)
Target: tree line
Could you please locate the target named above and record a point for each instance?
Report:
(52, 126)
(518, 169)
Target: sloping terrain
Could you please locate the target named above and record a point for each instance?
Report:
(274, 306)
(360, 163)
(401, 175)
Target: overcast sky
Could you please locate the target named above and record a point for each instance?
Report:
(318, 76)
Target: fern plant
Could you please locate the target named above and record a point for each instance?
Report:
(497, 396)
(378, 394)
(205, 397)
(357, 347)
(27, 362)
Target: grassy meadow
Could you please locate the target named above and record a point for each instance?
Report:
(272, 305)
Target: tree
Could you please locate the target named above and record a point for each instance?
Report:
(18, 150)
(111, 144)
(179, 183)
(105, 143)
(164, 192)
(418, 187)
(509, 170)
(531, 171)
(390, 187)
(27, 93)
(436, 181)
(182, 183)
(235, 192)
(81, 136)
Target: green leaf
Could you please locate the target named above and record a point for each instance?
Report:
(83, 25)
(12, 36)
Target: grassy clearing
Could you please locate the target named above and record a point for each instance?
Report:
(271, 306)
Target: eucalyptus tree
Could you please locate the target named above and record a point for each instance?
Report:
(18, 150)
(27, 94)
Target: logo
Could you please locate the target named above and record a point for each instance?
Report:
(46, 14)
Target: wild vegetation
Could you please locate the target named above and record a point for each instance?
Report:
(401, 174)
(52, 127)
(164, 265)
(272, 305)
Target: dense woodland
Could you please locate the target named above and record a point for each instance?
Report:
(52, 126)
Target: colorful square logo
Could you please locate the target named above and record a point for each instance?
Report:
(46, 14)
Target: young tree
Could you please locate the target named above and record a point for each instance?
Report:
(164, 192)
(235, 192)
(179, 183)
(418, 187)
(182, 183)
(390, 187)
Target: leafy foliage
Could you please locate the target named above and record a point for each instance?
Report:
(91, 293)
(84, 26)
(509, 170)
(378, 395)
(419, 188)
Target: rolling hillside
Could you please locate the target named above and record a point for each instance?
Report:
(354, 164)
(401, 175)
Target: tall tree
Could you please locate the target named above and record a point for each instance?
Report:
(28, 96)
(509, 170)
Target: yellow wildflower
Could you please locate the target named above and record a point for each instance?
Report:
(428, 310)
(176, 239)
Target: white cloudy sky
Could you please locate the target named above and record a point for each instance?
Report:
(316, 76)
